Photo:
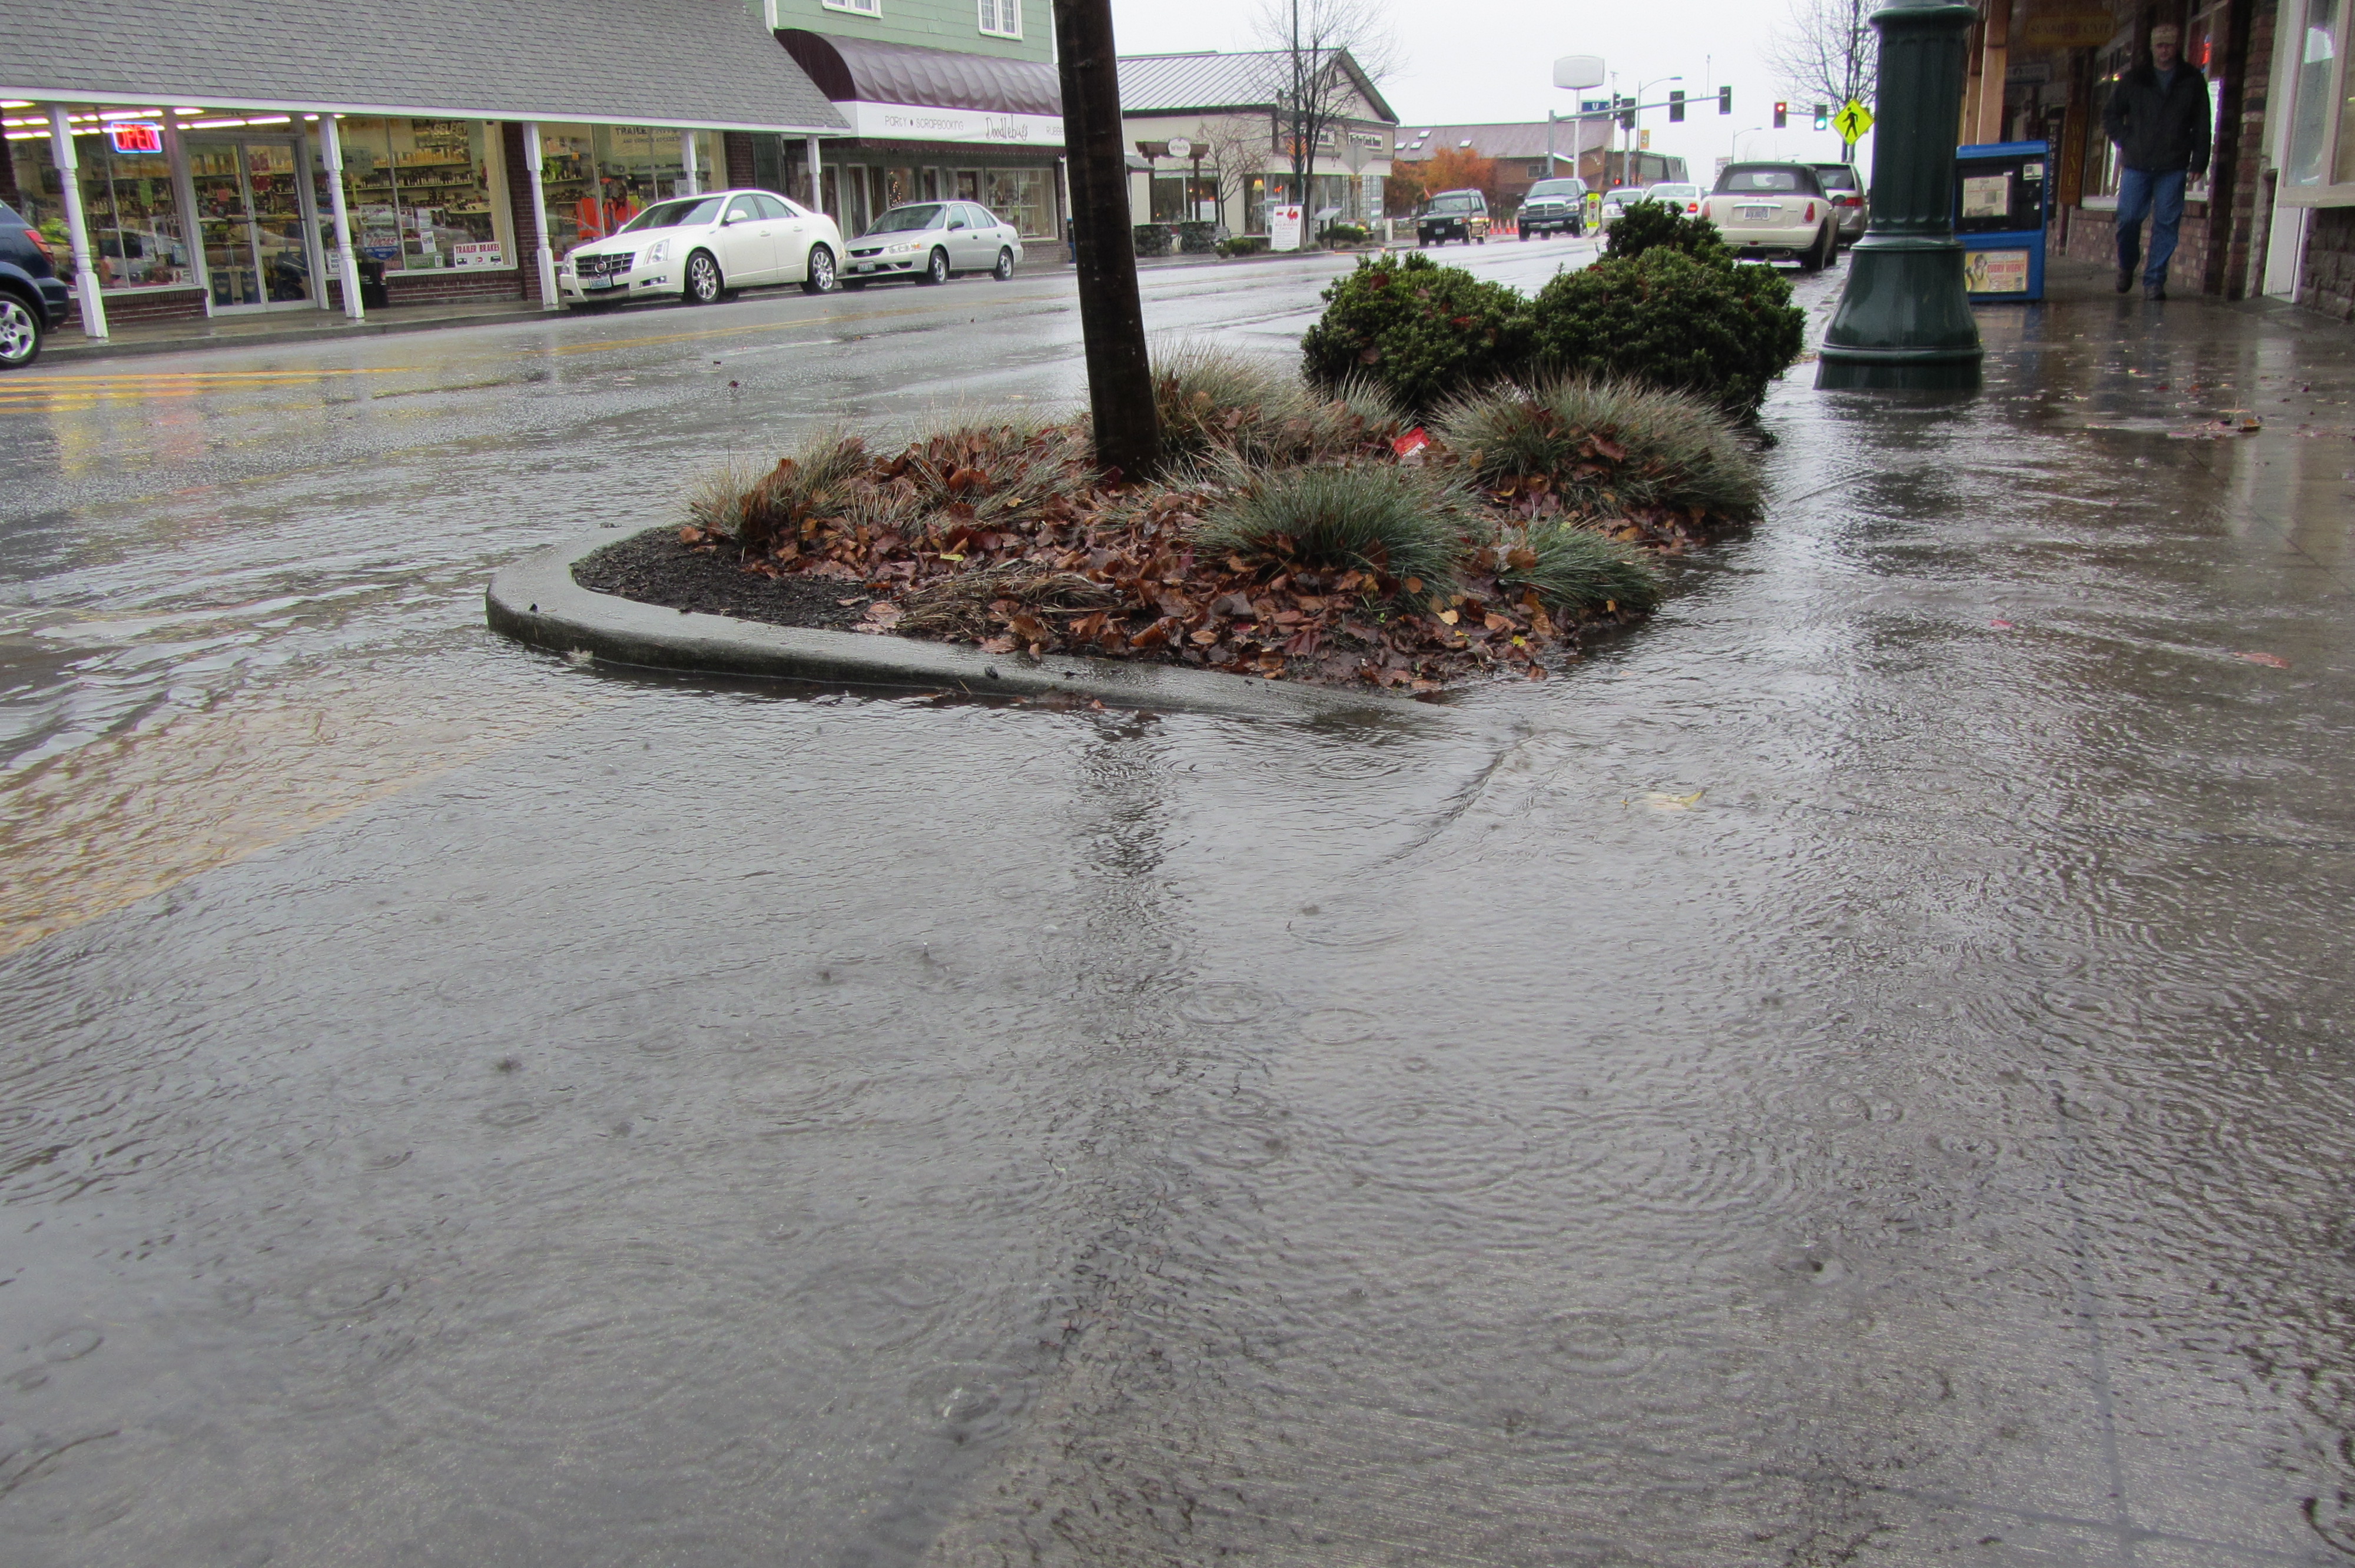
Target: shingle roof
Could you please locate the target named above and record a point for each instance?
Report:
(1508, 139)
(701, 63)
(1173, 84)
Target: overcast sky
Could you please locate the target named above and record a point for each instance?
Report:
(1470, 60)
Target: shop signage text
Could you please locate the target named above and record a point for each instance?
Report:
(911, 122)
(135, 138)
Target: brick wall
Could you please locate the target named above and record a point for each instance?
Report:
(2329, 284)
(735, 157)
(155, 305)
(2093, 237)
(527, 220)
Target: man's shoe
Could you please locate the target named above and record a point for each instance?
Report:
(2155, 290)
(2126, 279)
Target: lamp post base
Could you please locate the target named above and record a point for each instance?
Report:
(1904, 323)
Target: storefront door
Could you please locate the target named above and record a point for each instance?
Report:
(253, 211)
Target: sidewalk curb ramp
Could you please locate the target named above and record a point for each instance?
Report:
(536, 601)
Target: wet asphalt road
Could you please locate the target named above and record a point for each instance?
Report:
(1856, 1072)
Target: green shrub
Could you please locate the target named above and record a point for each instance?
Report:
(1605, 444)
(1197, 238)
(1342, 234)
(1655, 225)
(1667, 321)
(1576, 569)
(1422, 330)
(1155, 238)
(1243, 245)
(1400, 522)
(1211, 398)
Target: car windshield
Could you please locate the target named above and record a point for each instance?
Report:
(1622, 197)
(1675, 193)
(1451, 204)
(685, 214)
(1837, 177)
(1553, 188)
(906, 219)
(1778, 178)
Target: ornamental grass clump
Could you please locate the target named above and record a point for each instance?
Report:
(1575, 569)
(1605, 446)
(1211, 400)
(1421, 331)
(1399, 523)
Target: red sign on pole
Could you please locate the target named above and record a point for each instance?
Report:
(133, 137)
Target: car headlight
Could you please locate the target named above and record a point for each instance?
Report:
(905, 248)
(564, 269)
(658, 251)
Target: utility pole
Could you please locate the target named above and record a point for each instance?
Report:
(1112, 318)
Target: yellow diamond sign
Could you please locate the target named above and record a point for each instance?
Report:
(1852, 122)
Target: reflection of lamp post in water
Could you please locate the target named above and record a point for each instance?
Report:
(1904, 321)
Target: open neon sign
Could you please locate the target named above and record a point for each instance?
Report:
(135, 138)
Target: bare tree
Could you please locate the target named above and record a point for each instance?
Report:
(1826, 51)
(1232, 148)
(1314, 45)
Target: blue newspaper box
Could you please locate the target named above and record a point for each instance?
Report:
(2002, 203)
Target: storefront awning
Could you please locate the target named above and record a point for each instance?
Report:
(700, 64)
(864, 70)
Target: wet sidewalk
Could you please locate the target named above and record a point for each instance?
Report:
(1858, 1071)
(68, 347)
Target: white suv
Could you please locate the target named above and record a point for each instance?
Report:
(702, 248)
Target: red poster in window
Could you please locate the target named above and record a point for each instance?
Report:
(134, 137)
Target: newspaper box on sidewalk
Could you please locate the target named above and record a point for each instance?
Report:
(2002, 202)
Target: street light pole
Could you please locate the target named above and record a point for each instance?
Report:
(1636, 119)
(1734, 153)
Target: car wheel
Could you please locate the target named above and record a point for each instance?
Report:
(818, 277)
(704, 285)
(936, 271)
(20, 334)
(1004, 267)
(1526, 237)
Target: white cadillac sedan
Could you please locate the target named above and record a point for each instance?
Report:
(931, 241)
(703, 247)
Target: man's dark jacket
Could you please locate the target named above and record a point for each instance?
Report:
(2159, 130)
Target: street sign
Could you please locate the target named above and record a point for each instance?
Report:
(1852, 122)
(1180, 148)
(1575, 71)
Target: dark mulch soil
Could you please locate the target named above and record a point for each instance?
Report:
(655, 568)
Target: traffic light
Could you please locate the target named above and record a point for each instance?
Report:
(1676, 105)
(1627, 114)
(1823, 116)
(1782, 115)
(1725, 100)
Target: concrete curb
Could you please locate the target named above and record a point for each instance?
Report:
(534, 600)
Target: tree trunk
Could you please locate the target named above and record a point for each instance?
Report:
(1112, 318)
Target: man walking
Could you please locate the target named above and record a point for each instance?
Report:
(2158, 117)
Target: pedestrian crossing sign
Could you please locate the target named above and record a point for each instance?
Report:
(1852, 122)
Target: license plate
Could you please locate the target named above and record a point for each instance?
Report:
(599, 282)
(1758, 214)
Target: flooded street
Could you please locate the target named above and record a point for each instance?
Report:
(1857, 1072)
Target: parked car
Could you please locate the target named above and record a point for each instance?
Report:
(1683, 198)
(32, 298)
(1453, 215)
(703, 247)
(1847, 188)
(1553, 206)
(931, 241)
(1776, 212)
(1616, 200)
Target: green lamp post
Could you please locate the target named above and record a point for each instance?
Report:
(1904, 320)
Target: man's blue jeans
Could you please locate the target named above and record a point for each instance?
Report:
(2159, 197)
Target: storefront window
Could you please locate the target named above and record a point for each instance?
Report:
(421, 194)
(598, 177)
(1021, 198)
(2317, 100)
(252, 214)
(127, 199)
(893, 186)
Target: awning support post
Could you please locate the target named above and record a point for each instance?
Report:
(61, 149)
(693, 183)
(532, 160)
(816, 191)
(331, 153)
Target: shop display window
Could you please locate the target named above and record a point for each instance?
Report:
(252, 218)
(1022, 198)
(598, 177)
(422, 195)
(127, 199)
